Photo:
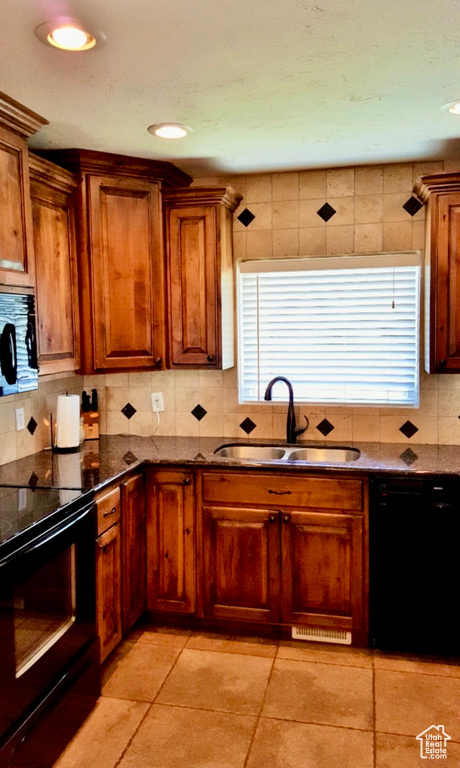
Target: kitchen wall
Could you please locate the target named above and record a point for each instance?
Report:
(37, 408)
(370, 216)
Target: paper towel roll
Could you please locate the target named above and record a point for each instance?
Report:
(68, 422)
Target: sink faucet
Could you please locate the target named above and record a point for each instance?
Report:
(292, 430)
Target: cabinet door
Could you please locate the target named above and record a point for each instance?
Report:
(241, 563)
(16, 241)
(170, 542)
(193, 289)
(127, 275)
(322, 569)
(108, 589)
(53, 213)
(445, 285)
(133, 522)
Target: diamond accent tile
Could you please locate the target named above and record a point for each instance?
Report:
(32, 425)
(246, 217)
(199, 412)
(325, 427)
(128, 411)
(129, 458)
(248, 425)
(326, 212)
(412, 205)
(408, 456)
(408, 429)
(33, 480)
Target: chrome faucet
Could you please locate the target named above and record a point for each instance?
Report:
(292, 430)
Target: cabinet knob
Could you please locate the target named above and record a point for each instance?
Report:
(159, 361)
(187, 481)
(442, 363)
(272, 518)
(211, 358)
(286, 519)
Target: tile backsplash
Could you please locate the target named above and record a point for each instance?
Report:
(373, 210)
(38, 405)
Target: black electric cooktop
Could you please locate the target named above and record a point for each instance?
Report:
(26, 513)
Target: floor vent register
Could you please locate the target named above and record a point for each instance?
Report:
(321, 635)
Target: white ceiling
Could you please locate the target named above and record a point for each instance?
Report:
(265, 84)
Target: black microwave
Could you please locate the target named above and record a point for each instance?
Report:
(18, 346)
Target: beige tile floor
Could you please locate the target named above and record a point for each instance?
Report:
(175, 699)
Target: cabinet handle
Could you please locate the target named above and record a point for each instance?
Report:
(159, 361)
(211, 358)
(442, 363)
(112, 512)
(272, 518)
(187, 481)
(280, 493)
(286, 519)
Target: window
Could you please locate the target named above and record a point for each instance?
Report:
(341, 329)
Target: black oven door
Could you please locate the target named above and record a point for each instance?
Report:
(47, 616)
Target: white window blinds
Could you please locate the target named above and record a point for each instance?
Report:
(341, 329)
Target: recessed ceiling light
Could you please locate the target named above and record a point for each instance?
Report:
(452, 106)
(169, 130)
(69, 35)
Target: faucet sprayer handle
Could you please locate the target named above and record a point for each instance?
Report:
(300, 430)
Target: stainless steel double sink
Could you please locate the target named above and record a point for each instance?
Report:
(306, 453)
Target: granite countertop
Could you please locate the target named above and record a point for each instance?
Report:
(112, 456)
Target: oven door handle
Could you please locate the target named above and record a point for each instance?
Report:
(47, 537)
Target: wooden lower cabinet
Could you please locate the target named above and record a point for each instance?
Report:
(108, 571)
(286, 564)
(322, 569)
(120, 561)
(198, 547)
(134, 534)
(170, 541)
(241, 563)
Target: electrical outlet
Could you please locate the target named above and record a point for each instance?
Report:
(158, 405)
(20, 424)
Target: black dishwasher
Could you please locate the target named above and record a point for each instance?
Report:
(415, 564)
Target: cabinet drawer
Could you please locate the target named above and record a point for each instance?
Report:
(345, 494)
(108, 509)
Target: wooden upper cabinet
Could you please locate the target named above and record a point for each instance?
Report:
(52, 192)
(16, 239)
(199, 258)
(127, 273)
(120, 258)
(442, 336)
